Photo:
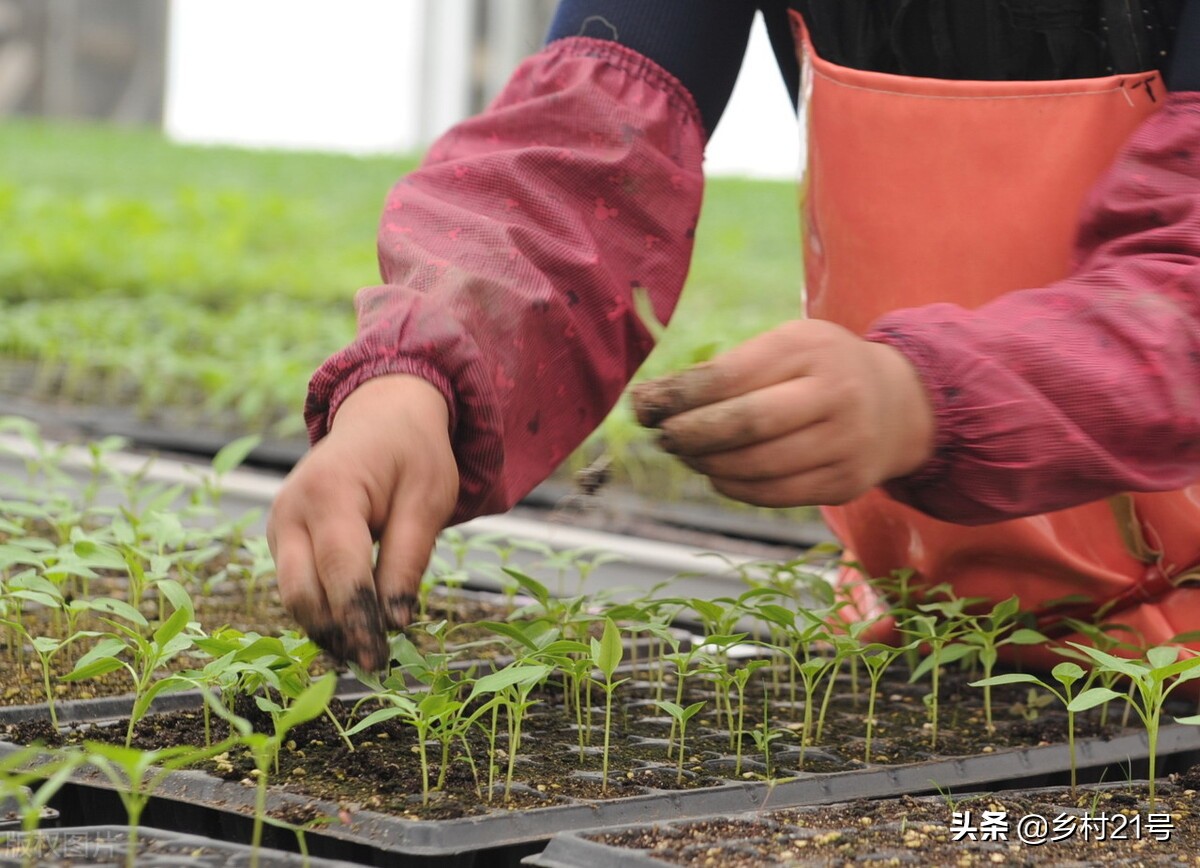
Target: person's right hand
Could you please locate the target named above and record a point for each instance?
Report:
(385, 472)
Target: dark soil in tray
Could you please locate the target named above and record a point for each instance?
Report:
(1094, 826)
(383, 773)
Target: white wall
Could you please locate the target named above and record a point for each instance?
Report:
(306, 74)
(363, 76)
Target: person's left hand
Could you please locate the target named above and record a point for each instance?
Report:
(807, 413)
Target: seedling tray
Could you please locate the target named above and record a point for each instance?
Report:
(505, 836)
(1109, 824)
(106, 846)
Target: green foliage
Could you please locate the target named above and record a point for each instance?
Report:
(1152, 679)
(1066, 674)
(54, 541)
(680, 716)
(204, 285)
(137, 773)
(607, 652)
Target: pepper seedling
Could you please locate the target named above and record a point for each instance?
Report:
(1152, 679)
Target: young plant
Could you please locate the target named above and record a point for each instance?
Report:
(437, 713)
(265, 667)
(718, 666)
(1152, 679)
(1104, 637)
(764, 735)
(32, 778)
(311, 703)
(515, 698)
(988, 633)
(607, 652)
(227, 459)
(680, 716)
(741, 677)
(434, 713)
(900, 589)
(846, 646)
(689, 662)
(255, 574)
(47, 648)
(137, 773)
(798, 631)
(1067, 674)
(939, 633)
(502, 687)
(29, 588)
(877, 658)
(148, 655)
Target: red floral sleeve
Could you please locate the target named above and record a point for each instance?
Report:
(510, 259)
(1051, 397)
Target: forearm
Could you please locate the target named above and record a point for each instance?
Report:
(1051, 397)
(511, 256)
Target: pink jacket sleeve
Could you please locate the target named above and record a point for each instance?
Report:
(510, 258)
(1051, 397)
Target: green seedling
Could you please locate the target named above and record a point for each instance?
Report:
(98, 468)
(680, 716)
(1066, 674)
(572, 616)
(268, 666)
(938, 633)
(846, 646)
(1152, 680)
(800, 631)
(32, 779)
(28, 588)
(716, 665)
(42, 458)
(515, 698)
(877, 658)
(564, 560)
(508, 688)
(147, 655)
(688, 663)
(606, 656)
(47, 648)
(255, 574)
(585, 566)
(764, 735)
(990, 632)
(311, 703)
(136, 774)
(435, 714)
(806, 629)
(636, 620)
(1031, 707)
(741, 678)
(1103, 637)
(228, 458)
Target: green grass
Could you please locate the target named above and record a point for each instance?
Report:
(235, 270)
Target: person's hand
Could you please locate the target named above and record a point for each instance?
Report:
(807, 413)
(385, 472)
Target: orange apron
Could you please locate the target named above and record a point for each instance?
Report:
(922, 190)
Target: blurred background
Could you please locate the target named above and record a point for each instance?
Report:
(189, 191)
(356, 76)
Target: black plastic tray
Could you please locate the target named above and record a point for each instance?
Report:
(779, 834)
(502, 837)
(106, 846)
